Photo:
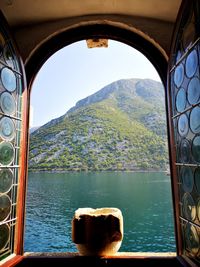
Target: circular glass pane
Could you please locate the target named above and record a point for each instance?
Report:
(189, 208)
(6, 178)
(192, 239)
(185, 151)
(8, 56)
(179, 75)
(7, 128)
(6, 153)
(197, 179)
(187, 179)
(191, 63)
(180, 100)
(5, 207)
(196, 148)
(183, 125)
(7, 103)
(4, 235)
(193, 91)
(198, 210)
(8, 79)
(195, 120)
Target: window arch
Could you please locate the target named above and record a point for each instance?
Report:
(96, 31)
(57, 91)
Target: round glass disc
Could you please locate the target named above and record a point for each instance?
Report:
(184, 151)
(6, 178)
(193, 91)
(4, 235)
(192, 239)
(189, 208)
(183, 126)
(196, 148)
(195, 120)
(8, 79)
(187, 179)
(179, 75)
(5, 207)
(6, 153)
(7, 103)
(180, 100)
(191, 63)
(7, 128)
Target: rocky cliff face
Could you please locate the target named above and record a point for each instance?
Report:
(120, 127)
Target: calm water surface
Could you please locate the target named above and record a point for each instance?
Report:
(144, 199)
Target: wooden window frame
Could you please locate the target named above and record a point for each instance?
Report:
(34, 63)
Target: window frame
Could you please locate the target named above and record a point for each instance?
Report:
(48, 48)
(184, 17)
(17, 236)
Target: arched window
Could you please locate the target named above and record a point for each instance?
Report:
(120, 129)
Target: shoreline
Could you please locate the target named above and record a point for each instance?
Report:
(90, 171)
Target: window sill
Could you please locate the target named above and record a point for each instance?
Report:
(117, 255)
(126, 259)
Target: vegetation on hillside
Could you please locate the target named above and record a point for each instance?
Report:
(121, 127)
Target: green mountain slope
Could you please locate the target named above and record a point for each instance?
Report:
(121, 127)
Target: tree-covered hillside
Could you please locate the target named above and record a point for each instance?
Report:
(121, 127)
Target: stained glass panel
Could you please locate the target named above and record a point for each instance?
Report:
(11, 85)
(185, 100)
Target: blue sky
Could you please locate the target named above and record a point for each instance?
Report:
(76, 71)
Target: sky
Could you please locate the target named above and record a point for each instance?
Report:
(75, 72)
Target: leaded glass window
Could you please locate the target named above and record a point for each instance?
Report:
(184, 81)
(11, 85)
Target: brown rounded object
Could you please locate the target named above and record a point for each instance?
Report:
(97, 232)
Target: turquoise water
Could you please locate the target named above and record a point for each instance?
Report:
(144, 199)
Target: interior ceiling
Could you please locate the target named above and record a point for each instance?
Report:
(33, 21)
(23, 12)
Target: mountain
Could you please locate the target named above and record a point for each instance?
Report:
(33, 129)
(120, 127)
